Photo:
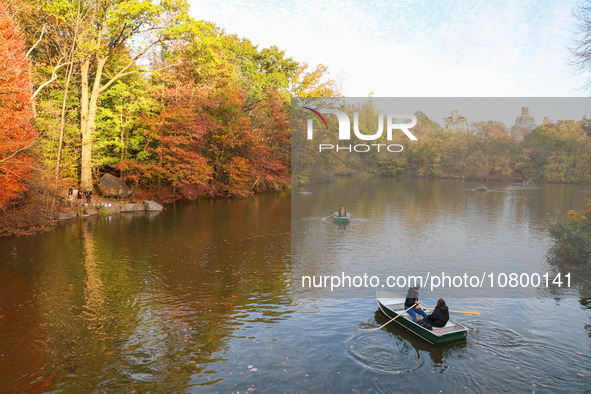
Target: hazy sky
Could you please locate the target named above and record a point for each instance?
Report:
(417, 48)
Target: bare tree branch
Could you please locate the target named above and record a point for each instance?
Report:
(16, 152)
(38, 41)
(53, 77)
(123, 72)
(581, 52)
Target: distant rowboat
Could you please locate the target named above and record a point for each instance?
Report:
(392, 305)
(341, 219)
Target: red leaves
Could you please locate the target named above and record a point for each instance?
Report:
(208, 140)
(16, 89)
(182, 125)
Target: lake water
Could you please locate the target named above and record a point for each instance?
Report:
(207, 296)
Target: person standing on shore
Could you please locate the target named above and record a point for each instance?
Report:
(88, 195)
(70, 195)
(80, 196)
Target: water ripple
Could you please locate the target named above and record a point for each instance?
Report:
(381, 352)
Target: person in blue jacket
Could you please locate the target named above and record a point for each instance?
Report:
(412, 298)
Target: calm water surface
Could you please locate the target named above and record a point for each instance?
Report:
(205, 296)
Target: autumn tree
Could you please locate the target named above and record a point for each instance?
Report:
(271, 155)
(560, 152)
(243, 106)
(138, 26)
(183, 122)
(169, 102)
(17, 135)
(314, 83)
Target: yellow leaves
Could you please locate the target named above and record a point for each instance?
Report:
(579, 217)
(315, 83)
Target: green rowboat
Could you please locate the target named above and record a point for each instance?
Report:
(341, 219)
(392, 305)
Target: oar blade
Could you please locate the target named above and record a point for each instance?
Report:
(471, 313)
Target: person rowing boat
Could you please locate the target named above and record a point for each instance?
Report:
(340, 213)
(412, 298)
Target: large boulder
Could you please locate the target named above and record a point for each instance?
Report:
(91, 211)
(71, 214)
(152, 206)
(111, 186)
(132, 207)
(113, 208)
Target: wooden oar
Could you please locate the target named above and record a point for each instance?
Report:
(397, 316)
(329, 216)
(471, 313)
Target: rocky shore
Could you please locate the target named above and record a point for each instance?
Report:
(113, 190)
(106, 208)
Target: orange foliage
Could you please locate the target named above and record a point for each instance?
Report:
(17, 134)
(181, 126)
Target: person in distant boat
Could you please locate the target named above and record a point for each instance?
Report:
(412, 298)
(440, 314)
(341, 212)
(482, 186)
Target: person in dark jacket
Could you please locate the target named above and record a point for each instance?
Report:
(88, 194)
(341, 212)
(440, 314)
(412, 298)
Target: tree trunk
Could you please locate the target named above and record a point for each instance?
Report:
(122, 141)
(90, 123)
(86, 141)
(132, 196)
(62, 129)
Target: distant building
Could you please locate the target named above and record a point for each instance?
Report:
(456, 123)
(524, 124)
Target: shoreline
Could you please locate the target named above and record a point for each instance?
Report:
(34, 217)
(104, 207)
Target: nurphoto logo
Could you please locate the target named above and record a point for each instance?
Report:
(393, 122)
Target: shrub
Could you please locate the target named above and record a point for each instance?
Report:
(572, 238)
(103, 211)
